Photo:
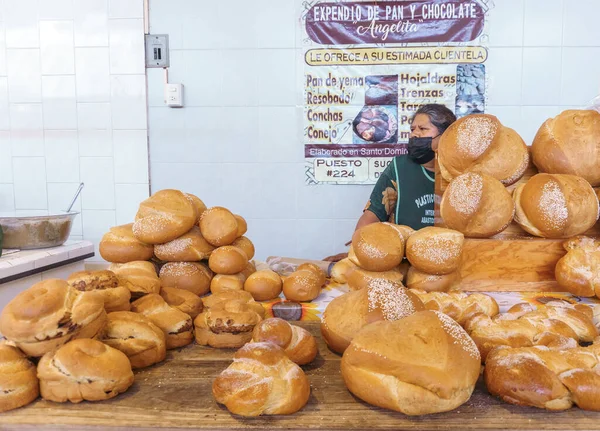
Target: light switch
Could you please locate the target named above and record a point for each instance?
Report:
(157, 50)
(174, 95)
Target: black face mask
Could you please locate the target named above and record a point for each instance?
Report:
(419, 150)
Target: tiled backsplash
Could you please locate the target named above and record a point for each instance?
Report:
(73, 108)
(237, 141)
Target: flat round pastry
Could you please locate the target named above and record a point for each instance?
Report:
(139, 277)
(192, 276)
(556, 206)
(480, 143)
(246, 245)
(298, 344)
(302, 286)
(105, 283)
(569, 144)
(176, 325)
(242, 225)
(477, 205)
(262, 380)
(228, 260)
(422, 364)
(219, 299)
(264, 285)
(197, 202)
(221, 282)
(84, 370)
(219, 226)
(190, 247)
(135, 335)
(49, 314)
(435, 250)
(378, 246)
(183, 300)
(119, 245)
(164, 216)
(430, 282)
(18, 379)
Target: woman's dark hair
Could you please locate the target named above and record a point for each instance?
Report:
(439, 115)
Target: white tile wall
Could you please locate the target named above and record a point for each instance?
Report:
(544, 23)
(66, 67)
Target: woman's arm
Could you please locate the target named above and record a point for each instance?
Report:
(366, 218)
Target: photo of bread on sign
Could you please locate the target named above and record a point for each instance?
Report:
(376, 124)
(381, 90)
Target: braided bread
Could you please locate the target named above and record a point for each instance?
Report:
(299, 345)
(544, 378)
(458, 305)
(262, 380)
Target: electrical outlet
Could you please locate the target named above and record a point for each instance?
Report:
(174, 95)
(157, 50)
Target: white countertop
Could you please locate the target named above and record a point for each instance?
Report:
(28, 260)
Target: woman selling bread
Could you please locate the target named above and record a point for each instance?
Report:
(404, 192)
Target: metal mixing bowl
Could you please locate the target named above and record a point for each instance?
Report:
(26, 233)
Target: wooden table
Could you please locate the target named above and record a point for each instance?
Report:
(177, 394)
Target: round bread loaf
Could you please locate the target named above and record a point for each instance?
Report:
(49, 314)
(197, 202)
(183, 300)
(84, 370)
(135, 335)
(480, 143)
(422, 364)
(249, 270)
(302, 286)
(378, 246)
(224, 282)
(246, 245)
(241, 387)
(228, 260)
(18, 379)
(104, 283)
(176, 325)
(139, 277)
(435, 250)
(242, 225)
(555, 206)
(315, 269)
(190, 247)
(429, 282)
(360, 278)
(340, 272)
(477, 205)
(264, 285)
(219, 226)
(164, 216)
(569, 144)
(578, 272)
(298, 344)
(192, 276)
(345, 315)
(119, 245)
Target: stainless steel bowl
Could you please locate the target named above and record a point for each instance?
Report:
(27, 233)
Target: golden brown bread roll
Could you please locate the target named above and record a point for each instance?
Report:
(106, 284)
(119, 245)
(342, 269)
(321, 275)
(378, 246)
(222, 283)
(19, 384)
(555, 206)
(435, 250)
(544, 378)
(189, 247)
(264, 285)
(460, 306)
(480, 143)
(197, 202)
(361, 278)
(192, 276)
(302, 286)
(242, 225)
(164, 216)
(569, 144)
(176, 325)
(477, 205)
(298, 344)
(228, 324)
(245, 245)
(345, 315)
(219, 299)
(262, 380)
(425, 363)
(219, 226)
(139, 277)
(183, 300)
(135, 335)
(227, 260)
(84, 370)
(578, 272)
(416, 279)
(248, 270)
(49, 314)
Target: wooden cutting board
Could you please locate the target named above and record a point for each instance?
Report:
(176, 394)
